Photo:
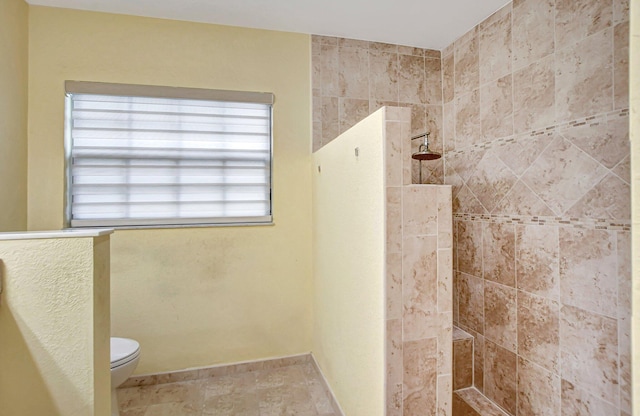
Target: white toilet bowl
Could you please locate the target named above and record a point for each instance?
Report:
(125, 354)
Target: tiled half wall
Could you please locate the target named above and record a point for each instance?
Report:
(419, 283)
(536, 149)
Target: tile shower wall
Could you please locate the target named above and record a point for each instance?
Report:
(353, 78)
(536, 149)
(419, 283)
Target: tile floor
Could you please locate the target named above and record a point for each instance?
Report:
(290, 390)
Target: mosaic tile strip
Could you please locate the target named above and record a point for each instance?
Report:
(591, 120)
(586, 223)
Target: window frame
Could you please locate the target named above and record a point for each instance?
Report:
(152, 91)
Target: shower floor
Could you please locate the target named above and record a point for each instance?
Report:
(291, 390)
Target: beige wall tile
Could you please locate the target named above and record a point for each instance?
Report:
(383, 47)
(534, 95)
(394, 285)
(621, 65)
(467, 126)
(351, 111)
(329, 64)
(456, 310)
(470, 243)
(588, 274)
(466, 202)
(589, 343)
(445, 384)
(500, 366)
(624, 273)
(608, 199)
(584, 74)
(394, 220)
(419, 381)
(393, 153)
(448, 130)
(353, 72)
(445, 343)
(419, 287)
(498, 253)
(462, 408)
(623, 169)
(478, 361)
(410, 50)
(624, 321)
(447, 78)
(538, 390)
(577, 20)
(462, 363)
(419, 212)
(433, 80)
(445, 280)
(466, 66)
(432, 53)
(494, 43)
(553, 175)
(471, 298)
(412, 83)
(537, 260)
(577, 401)
(491, 180)
(445, 218)
(330, 119)
(496, 109)
(533, 31)
(500, 315)
(620, 11)
(624, 346)
(521, 200)
(521, 151)
(353, 43)
(607, 141)
(394, 400)
(539, 331)
(383, 69)
(394, 357)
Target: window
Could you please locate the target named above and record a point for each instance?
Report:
(163, 156)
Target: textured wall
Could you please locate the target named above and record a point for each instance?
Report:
(54, 324)
(191, 296)
(536, 141)
(634, 98)
(13, 114)
(419, 284)
(353, 78)
(349, 238)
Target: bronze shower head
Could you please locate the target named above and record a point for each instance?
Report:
(423, 152)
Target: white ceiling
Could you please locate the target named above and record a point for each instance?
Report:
(431, 24)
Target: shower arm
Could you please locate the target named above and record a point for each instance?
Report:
(420, 136)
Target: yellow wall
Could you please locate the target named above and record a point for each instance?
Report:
(13, 114)
(349, 240)
(54, 326)
(200, 296)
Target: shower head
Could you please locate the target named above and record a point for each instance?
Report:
(423, 152)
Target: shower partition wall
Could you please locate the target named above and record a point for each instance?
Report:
(383, 273)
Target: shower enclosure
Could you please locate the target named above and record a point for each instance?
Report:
(383, 273)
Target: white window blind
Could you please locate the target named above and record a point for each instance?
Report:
(154, 159)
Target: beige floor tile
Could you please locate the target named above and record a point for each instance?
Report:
(296, 390)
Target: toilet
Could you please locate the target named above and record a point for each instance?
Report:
(125, 354)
